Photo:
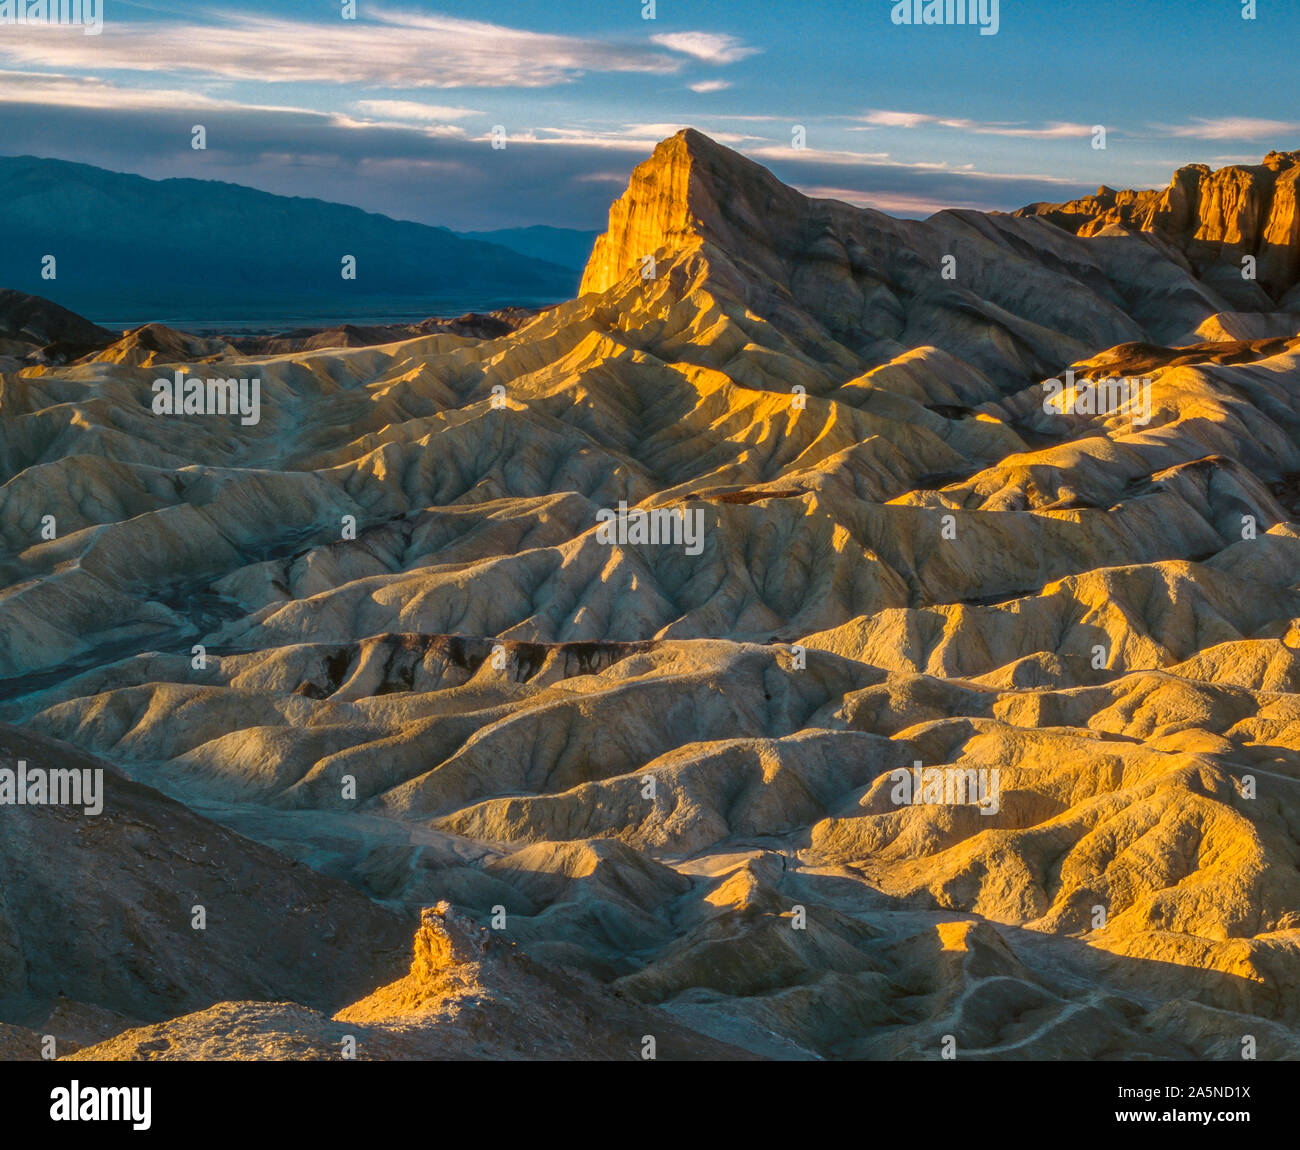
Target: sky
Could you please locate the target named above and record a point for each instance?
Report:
(394, 110)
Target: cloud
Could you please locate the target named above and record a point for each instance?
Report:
(390, 50)
(894, 203)
(398, 170)
(411, 110)
(818, 156)
(1198, 128)
(886, 176)
(662, 130)
(879, 118)
(42, 89)
(713, 47)
(710, 86)
(565, 177)
(91, 92)
(914, 189)
(1230, 128)
(885, 119)
(630, 137)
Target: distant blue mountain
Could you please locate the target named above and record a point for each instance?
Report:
(563, 246)
(172, 249)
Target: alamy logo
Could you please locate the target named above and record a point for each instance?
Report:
(981, 12)
(77, 1103)
(181, 396)
(88, 14)
(663, 525)
(58, 788)
(1111, 396)
(947, 786)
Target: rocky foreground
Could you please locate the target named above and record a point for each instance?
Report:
(395, 632)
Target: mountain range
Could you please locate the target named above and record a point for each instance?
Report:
(183, 250)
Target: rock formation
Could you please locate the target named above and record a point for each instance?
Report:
(390, 632)
(466, 997)
(1213, 217)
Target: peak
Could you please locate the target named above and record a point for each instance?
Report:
(693, 140)
(694, 147)
(654, 212)
(701, 148)
(674, 198)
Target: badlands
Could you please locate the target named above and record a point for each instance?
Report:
(369, 669)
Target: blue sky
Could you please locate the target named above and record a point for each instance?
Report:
(393, 110)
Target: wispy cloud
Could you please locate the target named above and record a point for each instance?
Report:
(710, 86)
(877, 161)
(391, 50)
(713, 47)
(1198, 128)
(43, 89)
(412, 110)
(1230, 128)
(816, 155)
(880, 118)
(65, 91)
(894, 203)
(629, 137)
